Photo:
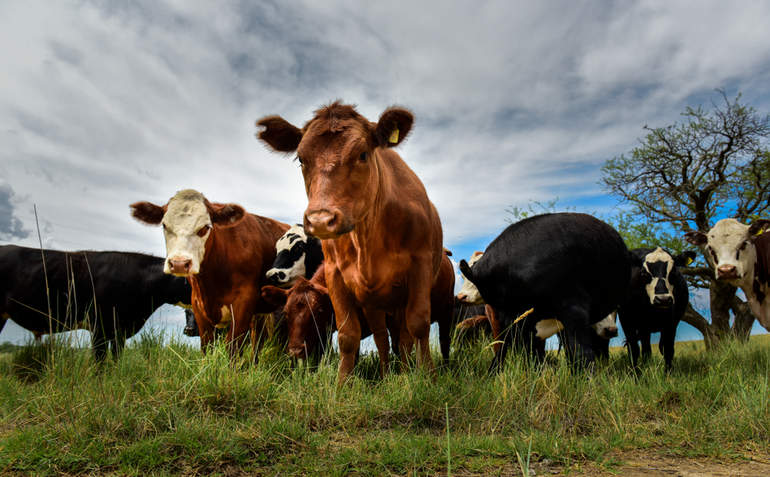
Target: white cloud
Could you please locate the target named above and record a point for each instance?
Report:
(103, 103)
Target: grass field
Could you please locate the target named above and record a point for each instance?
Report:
(169, 410)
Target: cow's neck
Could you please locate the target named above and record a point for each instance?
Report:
(759, 293)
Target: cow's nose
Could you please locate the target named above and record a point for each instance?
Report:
(727, 271)
(275, 277)
(665, 300)
(298, 352)
(179, 266)
(190, 331)
(322, 223)
(461, 297)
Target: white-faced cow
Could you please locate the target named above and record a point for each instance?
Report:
(657, 301)
(224, 252)
(297, 255)
(740, 255)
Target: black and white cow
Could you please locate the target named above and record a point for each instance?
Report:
(569, 267)
(110, 294)
(469, 295)
(297, 255)
(740, 255)
(657, 301)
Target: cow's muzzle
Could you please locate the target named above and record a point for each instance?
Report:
(275, 277)
(663, 300)
(179, 265)
(298, 352)
(727, 272)
(325, 223)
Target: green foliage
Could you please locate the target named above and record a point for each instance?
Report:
(712, 164)
(171, 410)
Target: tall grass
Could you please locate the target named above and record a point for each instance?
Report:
(171, 410)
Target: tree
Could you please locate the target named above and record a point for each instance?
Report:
(713, 164)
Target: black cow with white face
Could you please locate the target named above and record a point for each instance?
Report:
(657, 301)
(571, 268)
(297, 255)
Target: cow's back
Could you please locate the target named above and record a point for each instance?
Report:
(547, 260)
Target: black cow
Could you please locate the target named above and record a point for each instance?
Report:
(657, 301)
(297, 255)
(110, 294)
(570, 267)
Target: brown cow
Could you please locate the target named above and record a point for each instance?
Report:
(308, 313)
(381, 236)
(224, 252)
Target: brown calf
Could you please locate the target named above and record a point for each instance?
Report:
(381, 236)
(224, 252)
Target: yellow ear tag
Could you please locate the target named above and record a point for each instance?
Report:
(689, 260)
(393, 136)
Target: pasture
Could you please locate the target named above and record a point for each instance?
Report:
(164, 410)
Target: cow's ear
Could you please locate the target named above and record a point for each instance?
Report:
(393, 127)
(148, 212)
(274, 295)
(685, 258)
(696, 237)
(279, 134)
(226, 214)
(758, 227)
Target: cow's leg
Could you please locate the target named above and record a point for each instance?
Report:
(494, 323)
(99, 343)
(418, 311)
(347, 316)
(646, 349)
(405, 341)
(243, 318)
(376, 321)
(502, 351)
(666, 345)
(205, 327)
(632, 343)
(118, 342)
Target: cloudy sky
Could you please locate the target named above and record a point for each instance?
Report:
(106, 103)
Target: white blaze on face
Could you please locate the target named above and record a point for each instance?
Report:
(729, 245)
(186, 227)
(468, 292)
(289, 261)
(659, 264)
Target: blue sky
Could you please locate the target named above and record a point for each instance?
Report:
(106, 103)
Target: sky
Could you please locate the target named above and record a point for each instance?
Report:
(106, 103)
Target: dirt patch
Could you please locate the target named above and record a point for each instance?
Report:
(650, 463)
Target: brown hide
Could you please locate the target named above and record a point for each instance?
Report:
(308, 312)
(381, 236)
(236, 257)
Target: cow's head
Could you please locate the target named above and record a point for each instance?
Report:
(654, 273)
(339, 152)
(468, 293)
(289, 264)
(308, 312)
(191, 326)
(187, 219)
(729, 247)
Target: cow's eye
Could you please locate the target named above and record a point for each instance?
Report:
(301, 162)
(645, 277)
(203, 231)
(363, 157)
(743, 245)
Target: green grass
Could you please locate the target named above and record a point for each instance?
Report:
(170, 410)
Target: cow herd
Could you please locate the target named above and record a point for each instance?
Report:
(368, 260)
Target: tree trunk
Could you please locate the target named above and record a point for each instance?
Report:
(722, 296)
(744, 319)
(692, 317)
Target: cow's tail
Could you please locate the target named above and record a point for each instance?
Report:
(467, 271)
